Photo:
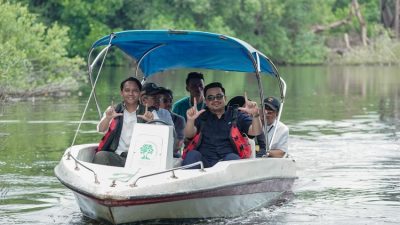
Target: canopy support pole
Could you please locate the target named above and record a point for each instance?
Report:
(144, 55)
(90, 69)
(282, 88)
(93, 88)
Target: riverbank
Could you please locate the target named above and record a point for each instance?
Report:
(381, 51)
(59, 89)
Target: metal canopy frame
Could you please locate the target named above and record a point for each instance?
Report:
(254, 59)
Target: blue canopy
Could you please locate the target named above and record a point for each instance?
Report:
(160, 50)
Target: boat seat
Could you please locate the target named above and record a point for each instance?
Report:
(177, 162)
(151, 148)
(87, 153)
(252, 143)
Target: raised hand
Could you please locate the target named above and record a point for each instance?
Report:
(147, 116)
(193, 113)
(111, 113)
(249, 107)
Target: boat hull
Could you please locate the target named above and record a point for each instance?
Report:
(224, 206)
(228, 189)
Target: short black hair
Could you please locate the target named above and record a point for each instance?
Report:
(166, 91)
(213, 85)
(131, 79)
(194, 75)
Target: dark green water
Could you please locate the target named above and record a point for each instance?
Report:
(344, 126)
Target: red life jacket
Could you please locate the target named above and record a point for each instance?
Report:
(241, 142)
(110, 140)
(238, 140)
(106, 137)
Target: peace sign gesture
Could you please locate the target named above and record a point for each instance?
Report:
(249, 107)
(111, 113)
(147, 116)
(193, 113)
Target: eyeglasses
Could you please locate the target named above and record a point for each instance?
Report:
(213, 97)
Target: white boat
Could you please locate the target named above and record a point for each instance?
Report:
(153, 185)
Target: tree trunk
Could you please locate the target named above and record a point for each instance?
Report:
(390, 15)
(386, 14)
(360, 18)
(347, 41)
(320, 28)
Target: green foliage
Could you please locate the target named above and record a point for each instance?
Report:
(88, 20)
(259, 23)
(33, 55)
(305, 46)
(308, 48)
(280, 29)
(371, 12)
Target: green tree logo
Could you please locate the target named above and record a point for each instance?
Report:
(145, 151)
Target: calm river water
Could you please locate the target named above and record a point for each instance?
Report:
(344, 126)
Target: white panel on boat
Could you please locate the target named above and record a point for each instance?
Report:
(151, 148)
(253, 148)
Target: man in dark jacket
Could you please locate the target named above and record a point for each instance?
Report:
(215, 124)
(118, 122)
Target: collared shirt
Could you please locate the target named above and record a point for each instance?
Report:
(129, 122)
(181, 106)
(215, 140)
(130, 119)
(281, 137)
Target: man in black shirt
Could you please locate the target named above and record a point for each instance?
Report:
(215, 123)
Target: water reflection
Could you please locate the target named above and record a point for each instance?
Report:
(344, 126)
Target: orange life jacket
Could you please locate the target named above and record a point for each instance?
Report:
(238, 140)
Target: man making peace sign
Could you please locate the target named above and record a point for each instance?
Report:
(118, 122)
(214, 123)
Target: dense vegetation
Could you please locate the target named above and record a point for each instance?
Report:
(37, 45)
(33, 56)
